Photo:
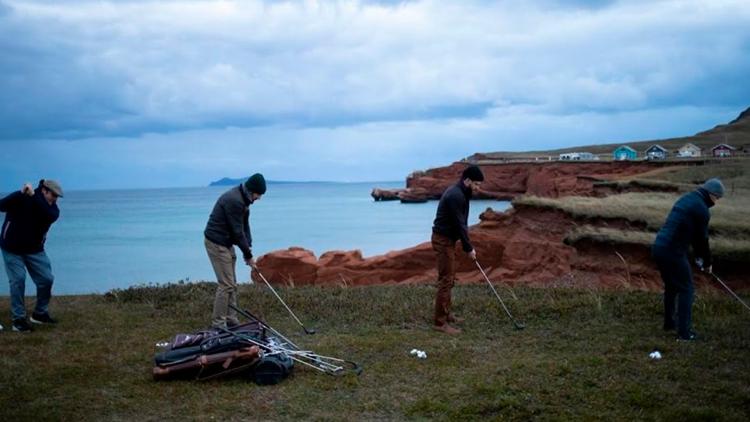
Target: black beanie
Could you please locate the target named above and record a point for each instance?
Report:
(473, 173)
(256, 183)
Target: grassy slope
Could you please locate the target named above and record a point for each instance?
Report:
(730, 227)
(736, 133)
(584, 354)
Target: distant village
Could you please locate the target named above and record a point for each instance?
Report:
(656, 152)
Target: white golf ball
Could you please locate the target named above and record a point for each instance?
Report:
(414, 351)
(422, 355)
(655, 355)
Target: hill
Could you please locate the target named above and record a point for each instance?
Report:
(735, 133)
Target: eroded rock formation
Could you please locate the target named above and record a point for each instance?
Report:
(520, 246)
(505, 181)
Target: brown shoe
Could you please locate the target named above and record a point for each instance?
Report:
(455, 319)
(447, 329)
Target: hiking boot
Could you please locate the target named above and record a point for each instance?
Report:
(447, 329)
(44, 318)
(21, 325)
(455, 319)
(691, 336)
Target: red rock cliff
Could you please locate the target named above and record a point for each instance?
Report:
(520, 246)
(507, 180)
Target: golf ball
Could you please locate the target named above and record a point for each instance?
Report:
(655, 355)
(422, 355)
(414, 351)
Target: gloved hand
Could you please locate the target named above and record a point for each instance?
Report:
(700, 263)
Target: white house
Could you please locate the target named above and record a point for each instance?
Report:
(577, 156)
(689, 151)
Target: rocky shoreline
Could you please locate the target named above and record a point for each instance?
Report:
(523, 245)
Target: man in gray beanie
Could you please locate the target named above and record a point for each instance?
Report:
(229, 225)
(686, 225)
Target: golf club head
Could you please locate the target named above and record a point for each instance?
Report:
(309, 331)
(519, 325)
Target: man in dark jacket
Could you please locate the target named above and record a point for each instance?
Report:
(686, 225)
(449, 227)
(29, 215)
(229, 225)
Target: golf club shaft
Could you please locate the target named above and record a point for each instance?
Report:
(281, 300)
(730, 291)
(250, 316)
(496, 294)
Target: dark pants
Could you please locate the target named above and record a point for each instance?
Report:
(678, 288)
(445, 251)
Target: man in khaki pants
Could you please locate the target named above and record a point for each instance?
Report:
(229, 225)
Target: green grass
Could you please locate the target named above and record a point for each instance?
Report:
(650, 210)
(650, 184)
(583, 355)
(723, 249)
(735, 174)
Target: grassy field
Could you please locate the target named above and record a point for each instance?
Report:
(583, 355)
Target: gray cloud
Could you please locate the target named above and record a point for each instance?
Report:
(91, 69)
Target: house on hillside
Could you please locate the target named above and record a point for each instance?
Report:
(656, 152)
(722, 150)
(689, 151)
(624, 152)
(577, 156)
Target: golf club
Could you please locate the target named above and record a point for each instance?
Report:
(307, 330)
(518, 325)
(730, 290)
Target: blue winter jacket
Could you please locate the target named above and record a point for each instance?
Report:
(686, 225)
(27, 220)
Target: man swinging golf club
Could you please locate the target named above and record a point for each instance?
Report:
(451, 225)
(229, 225)
(686, 225)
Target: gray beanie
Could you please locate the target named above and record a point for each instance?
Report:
(714, 187)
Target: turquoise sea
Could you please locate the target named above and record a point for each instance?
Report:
(115, 239)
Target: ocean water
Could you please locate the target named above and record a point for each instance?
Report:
(115, 239)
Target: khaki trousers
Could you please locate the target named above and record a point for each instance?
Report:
(224, 261)
(445, 252)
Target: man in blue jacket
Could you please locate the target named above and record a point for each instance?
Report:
(450, 226)
(29, 213)
(686, 225)
(229, 225)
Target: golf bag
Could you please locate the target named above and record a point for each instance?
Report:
(217, 352)
(272, 369)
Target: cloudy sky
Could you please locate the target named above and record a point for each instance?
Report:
(178, 93)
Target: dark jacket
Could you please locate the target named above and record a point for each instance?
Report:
(453, 215)
(229, 223)
(686, 225)
(27, 221)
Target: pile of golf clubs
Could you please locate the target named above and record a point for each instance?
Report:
(281, 344)
(277, 343)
